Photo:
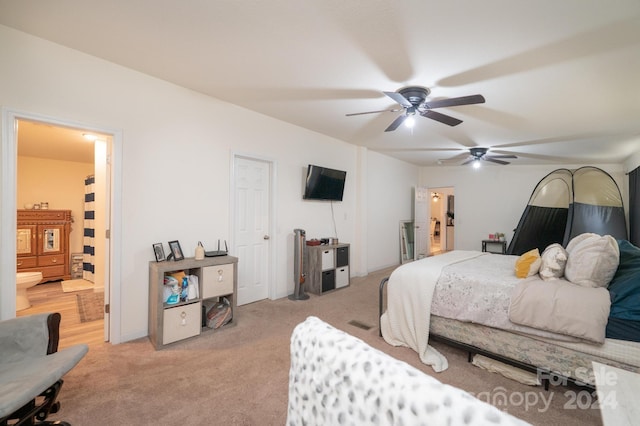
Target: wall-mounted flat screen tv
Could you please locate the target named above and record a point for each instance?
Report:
(323, 183)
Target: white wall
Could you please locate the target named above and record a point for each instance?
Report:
(390, 185)
(633, 161)
(493, 198)
(176, 152)
(60, 183)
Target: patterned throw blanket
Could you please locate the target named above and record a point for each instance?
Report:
(337, 379)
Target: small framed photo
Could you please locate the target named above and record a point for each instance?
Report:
(176, 251)
(159, 252)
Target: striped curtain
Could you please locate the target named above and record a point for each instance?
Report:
(89, 231)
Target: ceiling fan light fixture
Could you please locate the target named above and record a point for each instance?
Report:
(410, 121)
(413, 99)
(476, 163)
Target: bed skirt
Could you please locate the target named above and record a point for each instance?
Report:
(540, 356)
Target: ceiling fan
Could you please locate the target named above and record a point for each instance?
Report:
(413, 100)
(478, 154)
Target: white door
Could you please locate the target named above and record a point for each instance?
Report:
(421, 221)
(252, 195)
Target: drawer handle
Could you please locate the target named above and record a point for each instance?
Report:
(54, 260)
(19, 263)
(183, 316)
(220, 272)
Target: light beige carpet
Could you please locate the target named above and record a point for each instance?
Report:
(76, 285)
(240, 375)
(90, 306)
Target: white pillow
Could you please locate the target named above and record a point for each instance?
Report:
(554, 260)
(592, 260)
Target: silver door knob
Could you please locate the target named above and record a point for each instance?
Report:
(266, 237)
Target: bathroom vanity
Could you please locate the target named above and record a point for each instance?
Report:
(43, 243)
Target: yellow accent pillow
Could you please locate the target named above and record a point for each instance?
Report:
(528, 264)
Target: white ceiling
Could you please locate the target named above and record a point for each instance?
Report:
(42, 140)
(561, 78)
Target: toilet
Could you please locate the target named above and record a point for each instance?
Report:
(25, 280)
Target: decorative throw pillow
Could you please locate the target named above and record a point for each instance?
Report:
(528, 264)
(554, 260)
(592, 260)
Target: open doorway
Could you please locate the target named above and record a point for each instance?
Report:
(54, 162)
(441, 220)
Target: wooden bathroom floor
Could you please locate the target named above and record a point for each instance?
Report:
(49, 297)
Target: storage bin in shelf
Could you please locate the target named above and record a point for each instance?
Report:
(327, 267)
(169, 323)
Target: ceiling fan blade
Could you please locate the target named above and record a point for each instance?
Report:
(501, 156)
(398, 121)
(463, 100)
(455, 158)
(446, 119)
(399, 99)
(493, 160)
(372, 112)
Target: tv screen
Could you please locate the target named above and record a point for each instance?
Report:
(324, 184)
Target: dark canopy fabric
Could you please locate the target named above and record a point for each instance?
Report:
(566, 203)
(634, 206)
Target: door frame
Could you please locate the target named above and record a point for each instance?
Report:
(271, 262)
(420, 192)
(8, 213)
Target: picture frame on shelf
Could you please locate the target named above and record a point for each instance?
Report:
(158, 250)
(176, 250)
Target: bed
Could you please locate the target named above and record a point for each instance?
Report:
(467, 299)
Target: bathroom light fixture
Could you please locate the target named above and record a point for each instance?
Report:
(94, 138)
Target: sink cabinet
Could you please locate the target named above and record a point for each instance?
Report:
(42, 243)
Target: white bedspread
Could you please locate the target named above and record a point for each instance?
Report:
(409, 295)
(479, 291)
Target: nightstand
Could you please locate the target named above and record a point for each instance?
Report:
(502, 244)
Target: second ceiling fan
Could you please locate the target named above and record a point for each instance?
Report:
(413, 100)
(477, 154)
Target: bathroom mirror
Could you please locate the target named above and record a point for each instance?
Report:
(23, 236)
(51, 240)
